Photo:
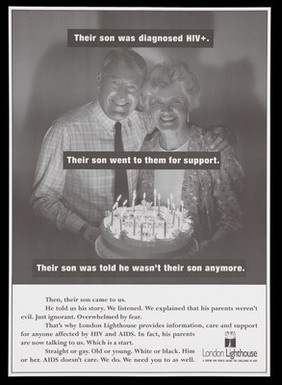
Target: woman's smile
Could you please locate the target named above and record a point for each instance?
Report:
(168, 119)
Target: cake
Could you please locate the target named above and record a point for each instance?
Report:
(145, 231)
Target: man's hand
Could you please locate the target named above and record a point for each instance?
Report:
(90, 233)
(203, 245)
(220, 138)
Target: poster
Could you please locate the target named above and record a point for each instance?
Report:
(143, 297)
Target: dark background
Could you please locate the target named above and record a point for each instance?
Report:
(48, 78)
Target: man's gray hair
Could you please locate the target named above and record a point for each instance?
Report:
(132, 59)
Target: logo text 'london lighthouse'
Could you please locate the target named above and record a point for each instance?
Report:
(230, 352)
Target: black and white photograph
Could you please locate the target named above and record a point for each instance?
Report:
(140, 156)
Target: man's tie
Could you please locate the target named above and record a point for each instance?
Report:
(121, 183)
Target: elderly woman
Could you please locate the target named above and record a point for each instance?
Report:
(210, 196)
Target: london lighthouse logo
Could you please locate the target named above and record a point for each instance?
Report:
(230, 339)
(230, 352)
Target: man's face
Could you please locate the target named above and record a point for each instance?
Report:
(119, 90)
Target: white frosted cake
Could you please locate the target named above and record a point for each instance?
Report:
(145, 231)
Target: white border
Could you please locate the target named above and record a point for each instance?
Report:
(142, 8)
(268, 149)
(268, 94)
(10, 191)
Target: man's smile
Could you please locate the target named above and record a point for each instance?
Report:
(120, 103)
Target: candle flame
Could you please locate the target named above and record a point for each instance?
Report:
(144, 195)
(118, 198)
(155, 192)
(124, 203)
(159, 196)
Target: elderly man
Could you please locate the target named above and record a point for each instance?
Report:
(75, 200)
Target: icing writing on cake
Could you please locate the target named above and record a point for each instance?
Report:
(146, 222)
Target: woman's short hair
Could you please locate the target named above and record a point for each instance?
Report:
(132, 59)
(168, 73)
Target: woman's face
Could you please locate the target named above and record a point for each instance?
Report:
(169, 109)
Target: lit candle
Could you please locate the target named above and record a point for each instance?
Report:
(123, 207)
(173, 218)
(168, 205)
(118, 199)
(144, 202)
(133, 200)
(182, 210)
(178, 217)
(159, 203)
(154, 227)
(120, 222)
(134, 224)
(141, 229)
(164, 229)
(155, 199)
(112, 219)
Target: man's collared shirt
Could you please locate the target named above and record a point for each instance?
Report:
(69, 198)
